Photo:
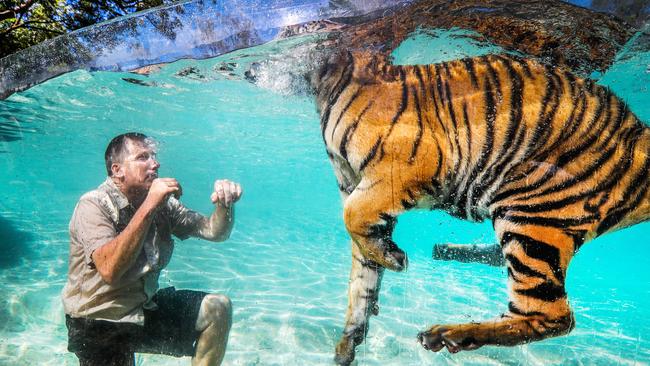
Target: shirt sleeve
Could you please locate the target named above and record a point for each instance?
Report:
(91, 226)
(184, 222)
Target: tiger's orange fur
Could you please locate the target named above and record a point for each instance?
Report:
(554, 160)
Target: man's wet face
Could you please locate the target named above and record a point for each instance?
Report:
(139, 165)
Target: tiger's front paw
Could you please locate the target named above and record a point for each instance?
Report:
(390, 257)
(345, 351)
(455, 337)
(395, 259)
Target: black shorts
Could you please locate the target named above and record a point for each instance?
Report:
(168, 330)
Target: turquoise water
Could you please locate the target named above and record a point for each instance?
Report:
(286, 265)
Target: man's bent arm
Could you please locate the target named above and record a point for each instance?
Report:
(219, 225)
(114, 258)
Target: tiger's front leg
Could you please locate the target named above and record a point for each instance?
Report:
(537, 258)
(363, 293)
(370, 215)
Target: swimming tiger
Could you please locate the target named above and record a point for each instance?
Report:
(552, 159)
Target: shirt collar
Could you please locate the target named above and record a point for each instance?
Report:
(116, 195)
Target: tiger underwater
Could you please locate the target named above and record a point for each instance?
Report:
(552, 159)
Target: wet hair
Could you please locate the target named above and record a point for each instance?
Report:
(116, 149)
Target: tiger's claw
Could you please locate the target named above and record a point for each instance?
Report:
(439, 337)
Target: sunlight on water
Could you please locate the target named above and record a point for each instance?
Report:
(286, 265)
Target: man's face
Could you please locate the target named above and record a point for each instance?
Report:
(139, 167)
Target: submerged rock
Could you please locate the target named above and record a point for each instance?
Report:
(139, 82)
(551, 30)
(191, 72)
(223, 67)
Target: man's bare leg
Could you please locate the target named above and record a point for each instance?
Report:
(214, 321)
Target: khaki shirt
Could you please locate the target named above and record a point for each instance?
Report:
(99, 216)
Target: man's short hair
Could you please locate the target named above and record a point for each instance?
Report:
(116, 149)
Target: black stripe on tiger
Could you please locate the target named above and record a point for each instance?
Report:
(620, 169)
(546, 291)
(438, 169)
(422, 102)
(440, 103)
(571, 154)
(515, 310)
(403, 103)
(572, 123)
(366, 263)
(418, 136)
(452, 117)
(409, 203)
(493, 75)
(486, 147)
(519, 267)
(344, 110)
(351, 129)
(469, 66)
(533, 185)
(547, 113)
(342, 83)
(486, 150)
(435, 97)
(522, 63)
(383, 230)
(468, 128)
(514, 135)
(586, 174)
(511, 274)
(503, 213)
(537, 250)
(324, 71)
(578, 237)
(579, 99)
(549, 104)
(371, 154)
(615, 215)
(493, 83)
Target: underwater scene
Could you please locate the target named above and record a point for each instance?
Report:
(287, 263)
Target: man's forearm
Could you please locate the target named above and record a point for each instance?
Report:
(219, 225)
(114, 258)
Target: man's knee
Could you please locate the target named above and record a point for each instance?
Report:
(218, 309)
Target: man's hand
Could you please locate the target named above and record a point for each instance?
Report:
(225, 192)
(160, 190)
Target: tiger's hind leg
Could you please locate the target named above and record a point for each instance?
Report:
(537, 258)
